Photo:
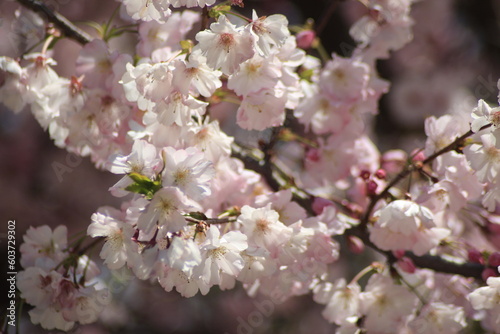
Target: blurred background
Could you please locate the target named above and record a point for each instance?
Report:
(453, 61)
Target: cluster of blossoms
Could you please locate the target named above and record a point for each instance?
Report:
(194, 217)
(61, 284)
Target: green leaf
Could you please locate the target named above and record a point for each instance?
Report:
(143, 185)
(198, 215)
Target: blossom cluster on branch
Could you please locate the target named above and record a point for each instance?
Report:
(201, 208)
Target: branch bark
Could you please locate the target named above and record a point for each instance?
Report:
(60, 22)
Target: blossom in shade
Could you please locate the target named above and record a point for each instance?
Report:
(385, 305)
(341, 299)
(439, 318)
(43, 242)
(118, 245)
(487, 298)
(12, 88)
(148, 10)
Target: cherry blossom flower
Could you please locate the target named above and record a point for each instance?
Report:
(195, 75)
(118, 246)
(386, 306)
(439, 318)
(484, 157)
(261, 110)
(43, 242)
(148, 10)
(182, 254)
(264, 229)
(486, 298)
(188, 170)
(12, 87)
(342, 300)
(192, 3)
(221, 255)
(269, 30)
(255, 74)
(345, 80)
(225, 46)
(154, 35)
(483, 114)
(164, 212)
(406, 225)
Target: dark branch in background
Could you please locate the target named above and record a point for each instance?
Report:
(326, 16)
(205, 17)
(60, 22)
(257, 165)
(436, 263)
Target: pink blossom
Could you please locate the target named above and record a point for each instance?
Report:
(225, 46)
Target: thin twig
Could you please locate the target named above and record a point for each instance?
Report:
(326, 16)
(223, 220)
(61, 23)
(456, 144)
(436, 263)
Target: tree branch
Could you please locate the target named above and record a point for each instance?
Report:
(456, 144)
(59, 21)
(436, 263)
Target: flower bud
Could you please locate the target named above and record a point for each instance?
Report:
(407, 265)
(475, 256)
(319, 204)
(488, 272)
(494, 259)
(305, 39)
(355, 244)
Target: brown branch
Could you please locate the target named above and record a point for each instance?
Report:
(436, 263)
(455, 145)
(205, 17)
(223, 220)
(259, 166)
(59, 21)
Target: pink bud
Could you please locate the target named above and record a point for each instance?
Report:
(407, 265)
(393, 161)
(380, 174)
(488, 272)
(238, 3)
(494, 228)
(398, 253)
(313, 155)
(371, 187)
(364, 174)
(319, 204)
(475, 256)
(418, 155)
(494, 259)
(305, 39)
(355, 244)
